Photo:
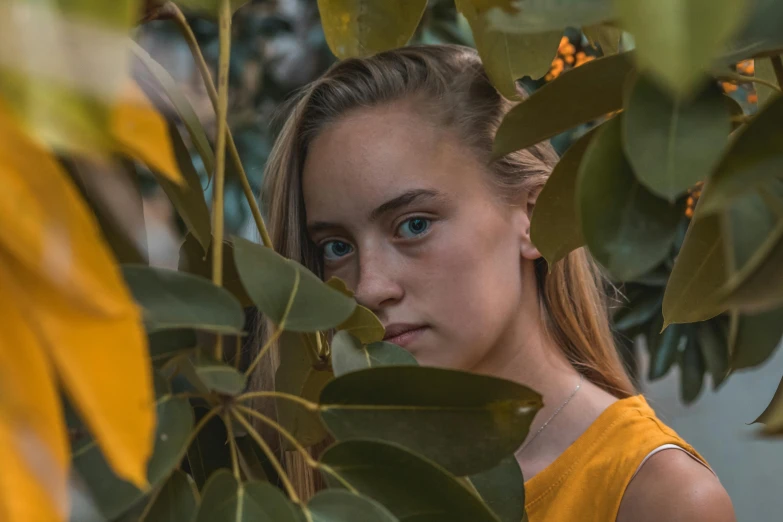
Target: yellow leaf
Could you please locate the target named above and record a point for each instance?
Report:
(72, 292)
(33, 441)
(141, 132)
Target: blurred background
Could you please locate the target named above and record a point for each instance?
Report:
(279, 46)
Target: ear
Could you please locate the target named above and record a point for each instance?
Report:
(527, 249)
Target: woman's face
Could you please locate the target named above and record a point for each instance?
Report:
(403, 213)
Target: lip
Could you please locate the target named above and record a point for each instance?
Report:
(403, 334)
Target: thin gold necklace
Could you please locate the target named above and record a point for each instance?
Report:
(581, 379)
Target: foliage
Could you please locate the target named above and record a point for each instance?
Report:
(154, 390)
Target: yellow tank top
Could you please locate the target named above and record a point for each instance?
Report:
(588, 480)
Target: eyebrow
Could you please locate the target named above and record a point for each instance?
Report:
(406, 198)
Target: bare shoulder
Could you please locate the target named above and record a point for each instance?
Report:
(672, 486)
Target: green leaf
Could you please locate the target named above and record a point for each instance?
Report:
(502, 488)
(165, 344)
(508, 57)
(465, 422)
(176, 502)
(672, 144)
(605, 37)
(772, 416)
(365, 27)
(760, 33)
(412, 487)
(209, 7)
(753, 338)
(559, 105)
(349, 354)
(335, 505)
(634, 232)
(700, 271)
(300, 373)
(555, 228)
(252, 460)
(664, 348)
(364, 324)
(752, 159)
(188, 199)
(644, 304)
(218, 376)
(113, 495)
(765, 71)
(171, 299)
(713, 341)
(159, 82)
(677, 41)
(210, 450)
(692, 370)
(537, 16)
(281, 286)
(195, 260)
(226, 499)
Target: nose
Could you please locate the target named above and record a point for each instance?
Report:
(378, 285)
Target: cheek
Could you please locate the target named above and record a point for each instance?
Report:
(472, 294)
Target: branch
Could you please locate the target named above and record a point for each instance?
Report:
(310, 406)
(777, 65)
(232, 441)
(206, 76)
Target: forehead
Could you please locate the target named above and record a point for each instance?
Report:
(372, 154)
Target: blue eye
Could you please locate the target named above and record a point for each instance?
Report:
(336, 249)
(414, 227)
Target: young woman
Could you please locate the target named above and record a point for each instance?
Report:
(381, 176)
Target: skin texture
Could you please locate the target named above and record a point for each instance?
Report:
(459, 261)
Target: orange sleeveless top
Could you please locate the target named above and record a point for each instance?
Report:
(588, 480)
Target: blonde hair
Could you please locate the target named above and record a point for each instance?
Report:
(450, 84)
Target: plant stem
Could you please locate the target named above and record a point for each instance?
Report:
(777, 66)
(206, 76)
(153, 499)
(224, 30)
(263, 350)
(308, 405)
(739, 78)
(234, 451)
(284, 432)
(269, 454)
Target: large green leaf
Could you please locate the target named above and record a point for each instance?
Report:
(560, 104)
(772, 416)
(413, 488)
(502, 488)
(349, 354)
(765, 71)
(195, 260)
(713, 340)
(188, 198)
(364, 324)
(677, 40)
(507, 56)
(671, 143)
(555, 228)
(644, 304)
(300, 373)
(465, 422)
(165, 344)
(537, 16)
(284, 289)
(364, 27)
(226, 499)
(171, 299)
(752, 159)
(753, 338)
(760, 34)
(176, 502)
(634, 232)
(335, 505)
(113, 495)
(159, 83)
(663, 348)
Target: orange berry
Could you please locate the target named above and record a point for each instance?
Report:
(569, 59)
(753, 98)
(549, 77)
(728, 87)
(690, 201)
